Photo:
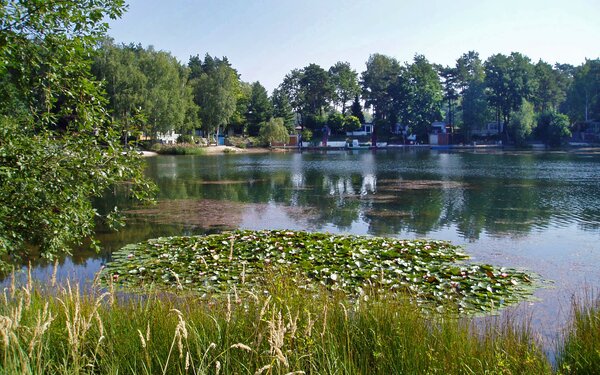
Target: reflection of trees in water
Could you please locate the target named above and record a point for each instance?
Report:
(411, 196)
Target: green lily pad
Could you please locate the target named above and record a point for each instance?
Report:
(432, 272)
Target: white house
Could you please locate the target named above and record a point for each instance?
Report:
(491, 128)
(167, 138)
(365, 129)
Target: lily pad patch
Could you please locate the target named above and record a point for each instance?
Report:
(433, 272)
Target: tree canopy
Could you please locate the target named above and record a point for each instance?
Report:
(147, 89)
(58, 149)
(215, 91)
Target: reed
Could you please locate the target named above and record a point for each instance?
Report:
(580, 349)
(279, 330)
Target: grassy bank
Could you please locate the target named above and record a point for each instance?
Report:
(179, 149)
(280, 331)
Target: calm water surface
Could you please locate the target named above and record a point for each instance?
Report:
(539, 211)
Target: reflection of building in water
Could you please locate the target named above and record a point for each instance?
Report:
(298, 179)
(369, 184)
(168, 167)
(369, 176)
(338, 185)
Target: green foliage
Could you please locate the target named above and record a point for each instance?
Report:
(474, 107)
(472, 102)
(553, 128)
(314, 122)
(274, 131)
(187, 149)
(283, 109)
(351, 123)
(280, 330)
(307, 91)
(316, 89)
(550, 90)
(344, 81)
(291, 89)
(522, 123)
(451, 77)
(260, 109)
(428, 270)
(335, 121)
(469, 68)
(185, 138)
(377, 79)
(584, 94)
(426, 98)
(579, 353)
(307, 135)
(149, 83)
(56, 150)
(509, 80)
(215, 92)
(356, 110)
(239, 120)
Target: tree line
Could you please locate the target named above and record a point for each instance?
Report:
(150, 91)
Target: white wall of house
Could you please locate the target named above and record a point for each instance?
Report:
(491, 128)
(365, 129)
(167, 138)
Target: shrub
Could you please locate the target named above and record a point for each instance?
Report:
(274, 131)
(185, 138)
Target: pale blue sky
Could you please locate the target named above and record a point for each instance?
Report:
(265, 39)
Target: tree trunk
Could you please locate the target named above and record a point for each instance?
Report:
(586, 106)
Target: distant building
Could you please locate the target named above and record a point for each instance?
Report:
(439, 134)
(164, 138)
(167, 138)
(365, 129)
(487, 130)
(404, 131)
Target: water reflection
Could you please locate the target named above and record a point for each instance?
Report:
(389, 193)
(519, 200)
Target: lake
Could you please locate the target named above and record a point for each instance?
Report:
(534, 210)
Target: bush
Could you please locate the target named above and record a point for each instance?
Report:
(307, 135)
(351, 123)
(178, 149)
(185, 138)
(274, 131)
(335, 121)
(553, 127)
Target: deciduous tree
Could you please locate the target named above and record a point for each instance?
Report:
(344, 81)
(382, 71)
(57, 148)
(215, 92)
(509, 80)
(274, 131)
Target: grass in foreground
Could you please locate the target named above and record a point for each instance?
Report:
(580, 352)
(283, 330)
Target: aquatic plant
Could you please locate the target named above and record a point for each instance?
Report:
(432, 273)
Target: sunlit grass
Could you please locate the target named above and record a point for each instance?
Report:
(580, 352)
(64, 330)
(183, 149)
